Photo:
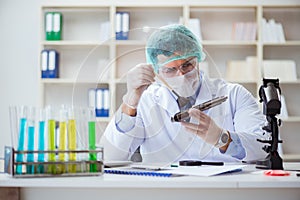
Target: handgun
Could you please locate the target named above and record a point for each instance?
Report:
(180, 116)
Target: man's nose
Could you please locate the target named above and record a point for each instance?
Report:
(179, 72)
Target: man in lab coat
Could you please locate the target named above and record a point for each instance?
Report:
(227, 132)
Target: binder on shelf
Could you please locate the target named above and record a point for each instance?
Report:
(122, 25)
(53, 25)
(48, 25)
(118, 25)
(99, 102)
(44, 63)
(92, 98)
(53, 64)
(272, 31)
(102, 102)
(106, 102)
(125, 25)
(105, 31)
(49, 64)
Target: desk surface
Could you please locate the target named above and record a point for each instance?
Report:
(250, 179)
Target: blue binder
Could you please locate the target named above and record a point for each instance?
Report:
(49, 63)
(53, 58)
(102, 102)
(122, 25)
(118, 25)
(44, 63)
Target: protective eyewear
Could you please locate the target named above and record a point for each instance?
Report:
(186, 67)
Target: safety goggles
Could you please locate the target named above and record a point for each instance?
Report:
(186, 67)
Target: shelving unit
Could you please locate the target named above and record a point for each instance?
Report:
(89, 59)
(288, 16)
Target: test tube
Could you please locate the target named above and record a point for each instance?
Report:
(41, 143)
(92, 138)
(62, 139)
(51, 139)
(71, 139)
(30, 140)
(22, 112)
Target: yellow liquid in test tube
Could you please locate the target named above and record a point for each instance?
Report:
(62, 145)
(51, 145)
(72, 144)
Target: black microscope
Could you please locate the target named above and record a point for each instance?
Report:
(269, 94)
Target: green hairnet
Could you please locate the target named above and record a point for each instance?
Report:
(174, 42)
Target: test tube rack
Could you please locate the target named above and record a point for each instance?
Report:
(82, 166)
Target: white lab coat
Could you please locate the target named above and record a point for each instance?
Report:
(161, 140)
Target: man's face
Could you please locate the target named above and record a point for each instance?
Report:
(178, 67)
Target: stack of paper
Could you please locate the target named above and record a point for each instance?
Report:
(244, 31)
(242, 70)
(285, 70)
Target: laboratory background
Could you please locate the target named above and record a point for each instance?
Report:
(262, 36)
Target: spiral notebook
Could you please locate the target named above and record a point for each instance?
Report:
(176, 171)
(137, 172)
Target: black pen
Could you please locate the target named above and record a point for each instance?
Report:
(199, 163)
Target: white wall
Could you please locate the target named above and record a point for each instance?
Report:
(19, 36)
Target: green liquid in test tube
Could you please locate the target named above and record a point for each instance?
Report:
(72, 140)
(92, 145)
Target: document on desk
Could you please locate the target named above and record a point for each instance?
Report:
(204, 170)
(180, 170)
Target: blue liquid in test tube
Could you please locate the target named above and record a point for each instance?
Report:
(30, 140)
(30, 147)
(20, 157)
(41, 156)
(41, 143)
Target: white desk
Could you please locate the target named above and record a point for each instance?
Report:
(248, 184)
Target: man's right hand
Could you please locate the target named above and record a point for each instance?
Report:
(138, 79)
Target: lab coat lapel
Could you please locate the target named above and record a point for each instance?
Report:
(167, 100)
